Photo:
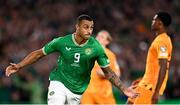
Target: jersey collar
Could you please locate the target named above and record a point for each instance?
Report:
(80, 45)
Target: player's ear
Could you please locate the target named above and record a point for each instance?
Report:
(77, 26)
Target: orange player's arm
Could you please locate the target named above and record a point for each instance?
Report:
(29, 59)
(162, 73)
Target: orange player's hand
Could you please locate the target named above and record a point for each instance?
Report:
(12, 68)
(130, 93)
(133, 86)
(135, 82)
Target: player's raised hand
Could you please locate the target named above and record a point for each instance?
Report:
(130, 93)
(135, 83)
(12, 68)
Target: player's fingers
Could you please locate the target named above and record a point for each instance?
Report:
(135, 82)
(9, 70)
(13, 64)
(134, 95)
(134, 86)
(7, 73)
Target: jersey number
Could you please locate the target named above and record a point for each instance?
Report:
(76, 57)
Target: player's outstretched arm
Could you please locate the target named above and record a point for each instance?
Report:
(114, 79)
(29, 59)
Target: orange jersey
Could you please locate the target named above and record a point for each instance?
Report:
(99, 85)
(161, 47)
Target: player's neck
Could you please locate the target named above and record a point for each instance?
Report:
(79, 40)
(158, 32)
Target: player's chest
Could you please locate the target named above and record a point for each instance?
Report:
(153, 50)
(78, 53)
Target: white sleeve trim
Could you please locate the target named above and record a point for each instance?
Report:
(43, 49)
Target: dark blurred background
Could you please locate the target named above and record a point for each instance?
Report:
(26, 25)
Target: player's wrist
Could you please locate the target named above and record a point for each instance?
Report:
(18, 66)
(122, 87)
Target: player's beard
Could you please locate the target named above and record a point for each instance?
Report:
(85, 36)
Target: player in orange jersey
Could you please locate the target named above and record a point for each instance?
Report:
(155, 78)
(99, 90)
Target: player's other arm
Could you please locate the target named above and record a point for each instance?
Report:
(162, 73)
(114, 79)
(29, 59)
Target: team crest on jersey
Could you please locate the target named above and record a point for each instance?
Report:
(163, 49)
(88, 51)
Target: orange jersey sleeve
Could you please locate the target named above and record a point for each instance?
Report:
(113, 61)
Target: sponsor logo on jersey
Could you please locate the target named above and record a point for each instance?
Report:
(68, 49)
(88, 51)
(75, 65)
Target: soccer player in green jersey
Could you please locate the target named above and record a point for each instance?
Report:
(78, 53)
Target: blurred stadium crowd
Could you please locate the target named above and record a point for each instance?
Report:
(26, 25)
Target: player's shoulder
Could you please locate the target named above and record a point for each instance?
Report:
(65, 37)
(163, 39)
(93, 40)
(109, 52)
(60, 39)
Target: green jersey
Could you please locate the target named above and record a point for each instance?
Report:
(75, 61)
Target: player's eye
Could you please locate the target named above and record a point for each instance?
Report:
(85, 26)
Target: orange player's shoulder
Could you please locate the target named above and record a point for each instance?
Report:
(110, 55)
(109, 52)
(163, 37)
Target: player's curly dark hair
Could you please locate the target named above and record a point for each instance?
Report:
(165, 18)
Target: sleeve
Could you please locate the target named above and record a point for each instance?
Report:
(162, 50)
(50, 47)
(113, 61)
(102, 59)
(114, 64)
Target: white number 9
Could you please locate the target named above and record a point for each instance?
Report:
(76, 57)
